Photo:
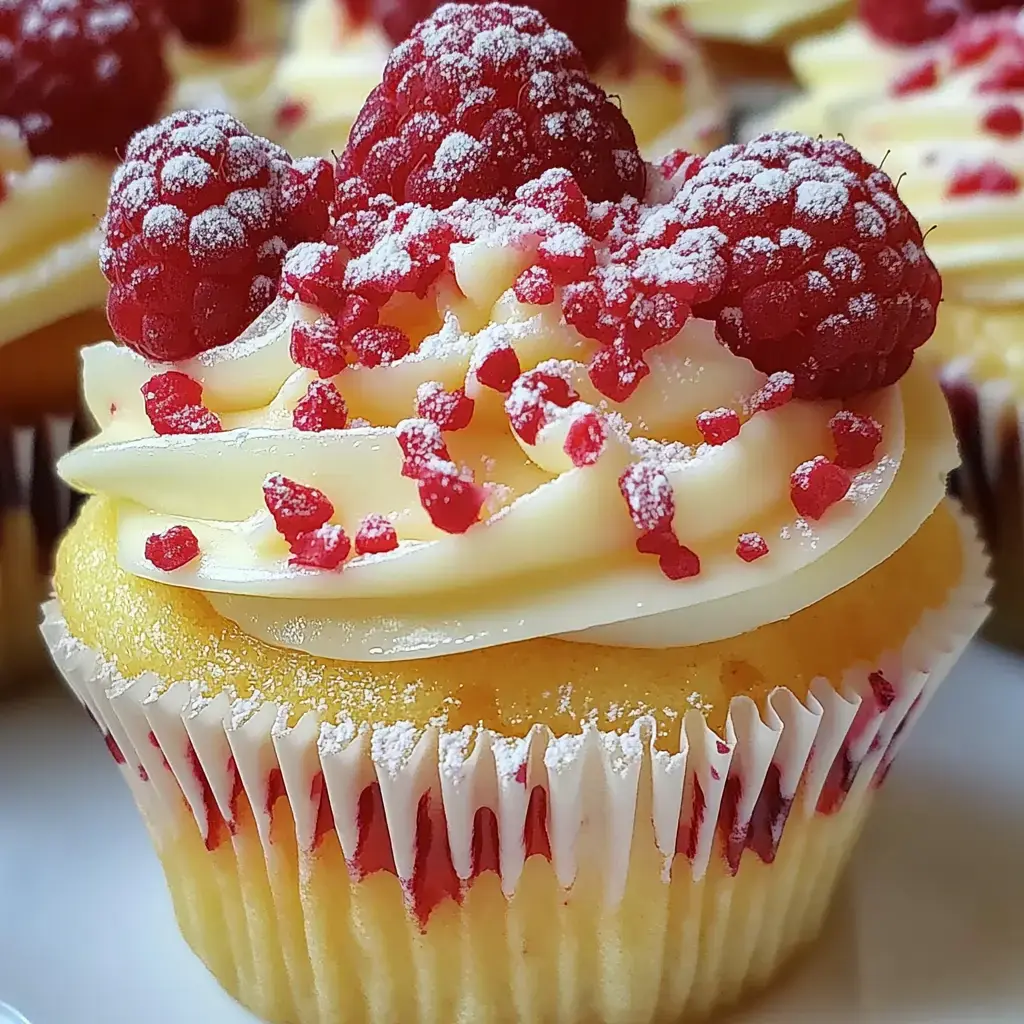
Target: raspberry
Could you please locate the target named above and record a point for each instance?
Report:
(450, 410)
(497, 367)
(296, 509)
(172, 549)
(815, 486)
(907, 22)
(380, 346)
(313, 272)
(751, 546)
(318, 346)
(321, 408)
(200, 216)
(326, 547)
(649, 497)
(989, 178)
(585, 439)
(205, 22)
(718, 426)
(376, 536)
(82, 76)
(452, 500)
(856, 437)
(774, 393)
(827, 275)
(421, 442)
(174, 405)
(916, 79)
(480, 100)
(596, 29)
(529, 403)
(534, 286)
(1003, 119)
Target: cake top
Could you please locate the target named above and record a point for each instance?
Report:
(529, 400)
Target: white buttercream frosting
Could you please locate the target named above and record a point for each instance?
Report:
(752, 21)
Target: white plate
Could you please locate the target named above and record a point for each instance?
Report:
(929, 929)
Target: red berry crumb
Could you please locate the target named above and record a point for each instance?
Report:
(496, 367)
(856, 437)
(751, 546)
(318, 346)
(907, 22)
(421, 443)
(534, 286)
(200, 216)
(916, 79)
(172, 549)
(497, 97)
(452, 501)
(815, 486)
(296, 509)
(649, 496)
(827, 275)
(675, 560)
(80, 77)
(376, 536)
(989, 178)
(774, 393)
(380, 346)
(1005, 119)
(585, 439)
(718, 426)
(326, 547)
(321, 408)
(450, 410)
(531, 398)
(174, 405)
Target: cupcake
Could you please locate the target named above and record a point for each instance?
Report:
(76, 80)
(514, 619)
(951, 117)
(651, 63)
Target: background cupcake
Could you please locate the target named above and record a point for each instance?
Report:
(482, 635)
(951, 117)
(653, 64)
(69, 102)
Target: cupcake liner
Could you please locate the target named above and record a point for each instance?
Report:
(989, 422)
(34, 510)
(438, 811)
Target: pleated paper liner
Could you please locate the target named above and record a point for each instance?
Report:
(35, 508)
(989, 422)
(330, 873)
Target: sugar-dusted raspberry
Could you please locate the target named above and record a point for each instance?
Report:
(816, 485)
(480, 100)
(295, 507)
(174, 405)
(313, 272)
(321, 408)
(81, 76)
(376, 535)
(857, 438)
(585, 439)
(200, 216)
(450, 410)
(326, 547)
(205, 22)
(535, 286)
(172, 549)
(1004, 119)
(988, 178)
(649, 497)
(318, 346)
(380, 346)
(567, 254)
(496, 366)
(827, 277)
(451, 498)
(751, 546)
(908, 22)
(718, 425)
(922, 76)
(421, 443)
(529, 403)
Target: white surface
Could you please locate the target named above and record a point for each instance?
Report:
(931, 927)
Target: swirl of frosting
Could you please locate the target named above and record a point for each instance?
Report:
(703, 455)
(665, 87)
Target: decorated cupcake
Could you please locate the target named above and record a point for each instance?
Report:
(514, 618)
(951, 117)
(652, 64)
(77, 79)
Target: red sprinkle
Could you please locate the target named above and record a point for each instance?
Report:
(718, 426)
(321, 408)
(751, 546)
(649, 497)
(376, 536)
(989, 178)
(499, 368)
(534, 286)
(676, 561)
(296, 509)
(452, 501)
(856, 437)
(776, 391)
(1005, 120)
(585, 439)
(172, 549)
(815, 486)
(421, 442)
(527, 403)
(174, 405)
(318, 346)
(326, 547)
(380, 346)
(916, 79)
(450, 410)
